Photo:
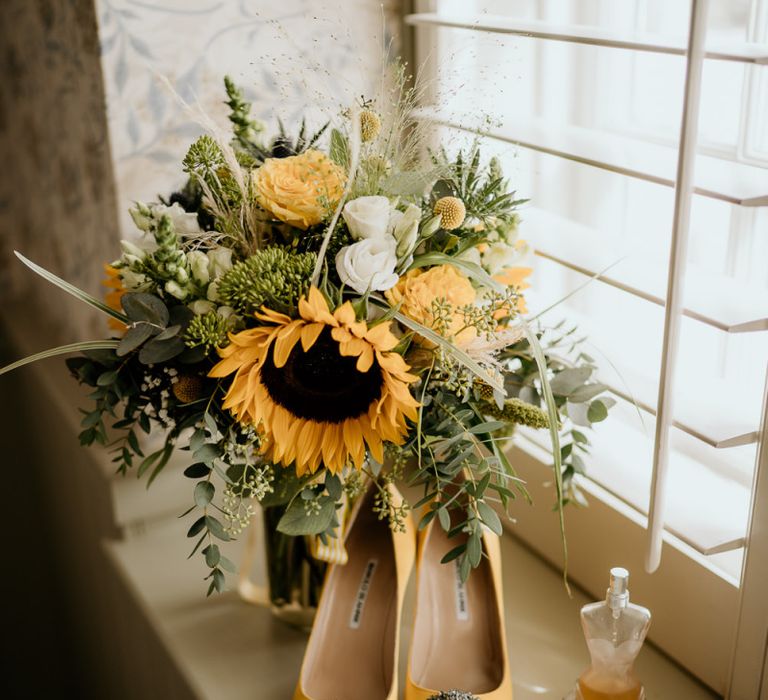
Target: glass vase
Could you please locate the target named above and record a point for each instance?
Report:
(294, 576)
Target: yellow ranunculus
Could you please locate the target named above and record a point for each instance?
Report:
(299, 190)
(418, 289)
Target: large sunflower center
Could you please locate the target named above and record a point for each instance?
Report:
(320, 384)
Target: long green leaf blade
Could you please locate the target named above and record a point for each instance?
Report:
(71, 289)
(549, 400)
(61, 350)
(472, 269)
(576, 290)
(458, 353)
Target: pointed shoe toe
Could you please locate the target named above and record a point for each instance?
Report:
(353, 649)
(458, 641)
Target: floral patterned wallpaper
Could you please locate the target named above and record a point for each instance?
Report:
(287, 56)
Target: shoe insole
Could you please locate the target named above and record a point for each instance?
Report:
(457, 634)
(352, 654)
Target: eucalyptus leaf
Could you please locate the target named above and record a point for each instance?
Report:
(297, 520)
(489, 517)
(597, 411)
(170, 332)
(197, 470)
(567, 381)
(145, 307)
(216, 528)
(475, 548)
(134, 337)
(212, 555)
(204, 492)
(587, 392)
(156, 351)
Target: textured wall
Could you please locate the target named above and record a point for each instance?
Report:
(287, 56)
(57, 202)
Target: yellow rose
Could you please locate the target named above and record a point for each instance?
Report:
(299, 190)
(418, 289)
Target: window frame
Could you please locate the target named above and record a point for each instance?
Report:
(714, 628)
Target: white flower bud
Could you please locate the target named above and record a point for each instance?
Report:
(406, 228)
(132, 250)
(220, 260)
(367, 217)
(201, 307)
(198, 263)
(175, 290)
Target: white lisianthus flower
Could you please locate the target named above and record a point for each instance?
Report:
(471, 255)
(368, 217)
(499, 256)
(219, 261)
(198, 264)
(184, 223)
(406, 228)
(201, 307)
(368, 265)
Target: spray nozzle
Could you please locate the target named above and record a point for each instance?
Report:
(617, 595)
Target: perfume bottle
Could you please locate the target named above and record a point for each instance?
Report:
(614, 630)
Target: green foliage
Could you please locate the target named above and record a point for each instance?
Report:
(483, 189)
(208, 331)
(275, 277)
(204, 158)
(519, 412)
(245, 129)
(580, 400)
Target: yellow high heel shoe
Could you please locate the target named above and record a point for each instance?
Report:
(458, 640)
(353, 649)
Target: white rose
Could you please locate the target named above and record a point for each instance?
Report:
(199, 263)
(500, 255)
(184, 223)
(368, 217)
(368, 265)
(406, 228)
(202, 307)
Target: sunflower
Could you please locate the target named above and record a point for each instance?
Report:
(112, 297)
(320, 387)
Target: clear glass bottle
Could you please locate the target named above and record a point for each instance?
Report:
(614, 630)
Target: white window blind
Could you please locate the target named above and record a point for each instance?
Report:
(583, 101)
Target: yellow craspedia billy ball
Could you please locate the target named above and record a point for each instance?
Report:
(452, 212)
(370, 125)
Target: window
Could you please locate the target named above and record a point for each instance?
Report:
(583, 103)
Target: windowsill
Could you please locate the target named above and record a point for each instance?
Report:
(228, 649)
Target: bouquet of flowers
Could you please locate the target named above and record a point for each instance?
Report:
(310, 310)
